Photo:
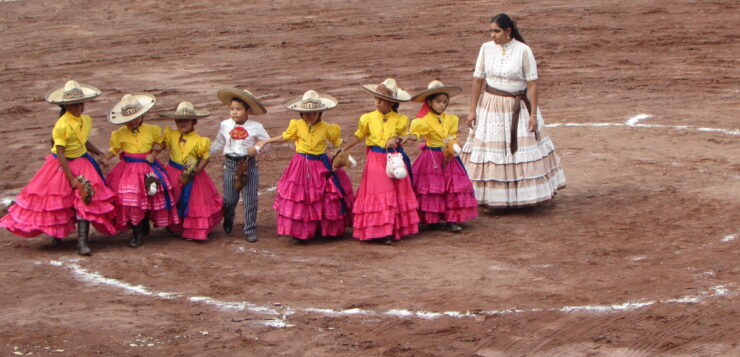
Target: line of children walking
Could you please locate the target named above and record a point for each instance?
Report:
(314, 195)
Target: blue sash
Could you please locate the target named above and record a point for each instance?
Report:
(406, 159)
(325, 160)
(92, 161)
(183, 205)
(159, 171)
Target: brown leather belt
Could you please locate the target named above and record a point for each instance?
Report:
(519, 96)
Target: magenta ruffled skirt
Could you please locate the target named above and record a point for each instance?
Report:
(132, 202)
(49, 205)
(309, 202)
(383, 206)
(205, 209)
(444, 191)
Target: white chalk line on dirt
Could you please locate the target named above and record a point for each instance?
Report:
(635, 123)
(282, 312)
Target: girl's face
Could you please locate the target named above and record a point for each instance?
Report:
(439, 103)
(311, 118)
(239, 113)
(382, 105)
(75, 109)
(499, 35)
(135, 123)
(185, 126)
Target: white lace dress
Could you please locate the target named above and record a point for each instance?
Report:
(530, 175)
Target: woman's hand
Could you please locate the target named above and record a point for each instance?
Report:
(472, 117)
(532, 123)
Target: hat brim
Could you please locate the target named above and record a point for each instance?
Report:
(403, 96)
(449, 90)
(328, 101)
(227, 94)
(197, 115)
(88, 92)
(115, 116)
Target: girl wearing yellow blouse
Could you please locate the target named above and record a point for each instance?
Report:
(385, 208)
(311, 197)
(143, 191)
(197, 199)
(442, 185)
(69, 188)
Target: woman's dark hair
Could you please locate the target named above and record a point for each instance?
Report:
(505, 22)
(246, 106)
(62, 110)
(394, 106)
(319, 118)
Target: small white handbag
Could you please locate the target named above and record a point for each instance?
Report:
(394, 167)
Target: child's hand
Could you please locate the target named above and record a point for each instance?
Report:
(150, 158)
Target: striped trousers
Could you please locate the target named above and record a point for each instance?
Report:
(248, 194)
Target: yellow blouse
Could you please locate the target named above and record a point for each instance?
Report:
(435, 128)
(312, 139)
(194, 146)
(377, 132)
(72, 133)
(141, 142)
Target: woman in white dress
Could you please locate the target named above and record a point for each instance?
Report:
(509, 157)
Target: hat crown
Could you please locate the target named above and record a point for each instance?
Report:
(435, 84)
(130, 105)
(72, 90)
(388, 85)
(311, 100)
(185, 108)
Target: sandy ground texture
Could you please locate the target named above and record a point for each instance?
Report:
(639, 256)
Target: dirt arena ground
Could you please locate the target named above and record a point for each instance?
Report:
(638, 256)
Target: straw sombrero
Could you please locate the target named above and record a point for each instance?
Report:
(227, 94)
(72, 93)
(312, 102)
(388, 90)
(185, 110)
(131, 107)
(436, 87)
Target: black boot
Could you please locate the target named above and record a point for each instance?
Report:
(136, 239)
(228, 224)
(83, 229)
(56, 241)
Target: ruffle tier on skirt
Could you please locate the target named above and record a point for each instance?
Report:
(133, 204)
(384, 206)
(49, 205)
(204, 206)
(309, 202)
(443, 190)
(501, 179)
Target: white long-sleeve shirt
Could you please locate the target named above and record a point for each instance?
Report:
(236, 139)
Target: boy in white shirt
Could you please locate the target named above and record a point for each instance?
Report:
(236, 139)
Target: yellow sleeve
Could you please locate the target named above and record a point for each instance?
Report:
(402, 125)
(115, 142)
(334, 135)
(454, 126)
(59, 134)
(292, 132)
(157, 134)
(419, 127)
(166, 136)
(204, 148)
(362, 127)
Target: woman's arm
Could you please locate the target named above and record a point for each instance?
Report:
(65, 167)
(474, 97)
(533, 98)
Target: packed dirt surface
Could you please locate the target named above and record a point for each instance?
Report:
(638, 256)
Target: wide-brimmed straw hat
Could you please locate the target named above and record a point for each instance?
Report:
(185, 110)
(388, 90)
(227, 94)
(72, 93)
(131, 107)
(312, 102)
(436, 87)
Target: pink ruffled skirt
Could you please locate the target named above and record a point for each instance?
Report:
(204, 206)
(308, 200)
(49, 205)
(133, 204)
(443, 190)
(383, 206)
